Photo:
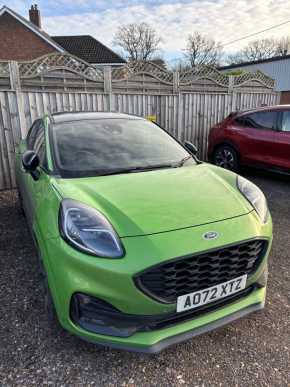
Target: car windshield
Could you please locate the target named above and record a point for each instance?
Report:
(113, 145)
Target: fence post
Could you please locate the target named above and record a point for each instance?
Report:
(176, 82)
(14, 76)
(180, 112)
(107, 79)
(16, 87)
(108, 84)
(233, 93)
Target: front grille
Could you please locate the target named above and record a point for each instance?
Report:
(169, 280)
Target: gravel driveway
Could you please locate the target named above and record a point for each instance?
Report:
(254, 351)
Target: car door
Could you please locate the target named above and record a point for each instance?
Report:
(282, 141)
(257, 135)
(28, 186)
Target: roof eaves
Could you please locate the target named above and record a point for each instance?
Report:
(244, 64)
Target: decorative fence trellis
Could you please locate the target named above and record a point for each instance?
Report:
(187, 103)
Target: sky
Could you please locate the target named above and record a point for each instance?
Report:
(222, 20)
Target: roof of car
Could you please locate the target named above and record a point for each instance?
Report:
(78, 116)
(265, 108)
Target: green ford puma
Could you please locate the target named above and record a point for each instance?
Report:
(141, 245)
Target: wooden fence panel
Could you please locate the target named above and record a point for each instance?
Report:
(67, 73)
(9, 133)
(36, 104)
(188, 116)
(186, 103)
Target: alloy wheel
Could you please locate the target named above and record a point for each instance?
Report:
(225, 159)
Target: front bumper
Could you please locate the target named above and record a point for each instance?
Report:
(70, 272)
(157, 341)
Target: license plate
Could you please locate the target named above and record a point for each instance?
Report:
(205, 296)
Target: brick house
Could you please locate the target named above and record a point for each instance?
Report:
(22, 39)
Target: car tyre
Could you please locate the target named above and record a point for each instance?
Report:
(48, 303)
(226, 157)
(21, 203)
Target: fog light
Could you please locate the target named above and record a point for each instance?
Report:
(100, 317)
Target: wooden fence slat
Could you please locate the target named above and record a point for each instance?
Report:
(5, 172)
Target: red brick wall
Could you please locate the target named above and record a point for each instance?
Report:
(17, 42)
(285, 98)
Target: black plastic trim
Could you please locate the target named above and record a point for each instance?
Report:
(162, 344)
(116, 323)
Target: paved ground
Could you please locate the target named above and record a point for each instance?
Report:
(250, 352)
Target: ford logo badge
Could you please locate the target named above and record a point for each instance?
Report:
(210, 235)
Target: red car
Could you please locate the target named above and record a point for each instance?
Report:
(258, 137)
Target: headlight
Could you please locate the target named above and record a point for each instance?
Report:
(255, 196)
(88, 230)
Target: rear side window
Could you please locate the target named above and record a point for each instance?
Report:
(259, 120)
(285, 121)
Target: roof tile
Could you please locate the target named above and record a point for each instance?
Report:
(88, 48)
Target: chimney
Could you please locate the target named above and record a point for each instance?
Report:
(34, 15)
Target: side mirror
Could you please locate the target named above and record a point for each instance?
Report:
(190, 147)
(30, 162)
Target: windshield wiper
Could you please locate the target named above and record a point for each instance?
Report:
(144, 168)
(118, 171)
(182, 161)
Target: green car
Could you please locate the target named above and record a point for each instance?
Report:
(141, 245)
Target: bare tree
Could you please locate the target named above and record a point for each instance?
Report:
(283, 46)
(235, 58)
(138, 41)
(202, 51)
(261, 49)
